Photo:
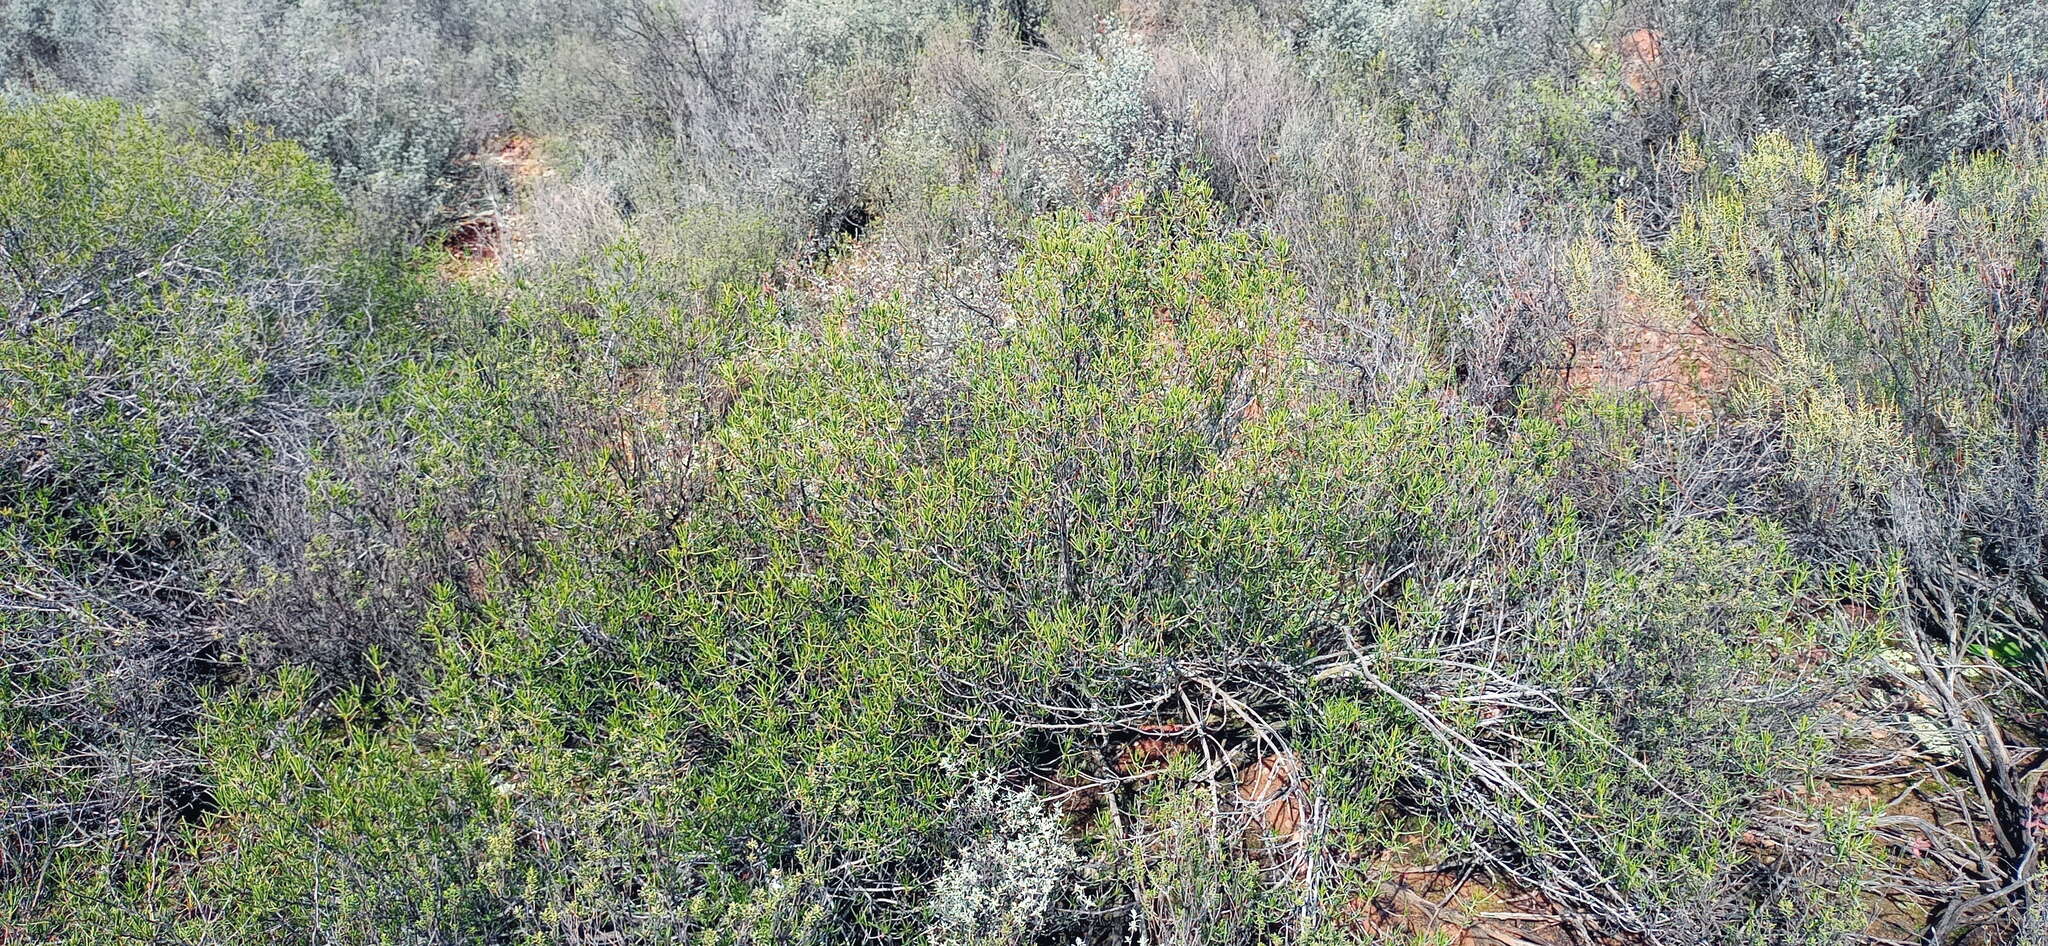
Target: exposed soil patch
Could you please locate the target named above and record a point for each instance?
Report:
(476, 244)
(1642, 56)
(1460, 908)
(1683, 368)
(475, 238)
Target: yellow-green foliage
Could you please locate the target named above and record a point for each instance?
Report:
(761, 596)
(160, 292)
(993, 473)
(172, 310)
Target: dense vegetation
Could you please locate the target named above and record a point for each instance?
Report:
(1038, 471)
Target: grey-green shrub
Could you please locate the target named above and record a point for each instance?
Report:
(375, 91)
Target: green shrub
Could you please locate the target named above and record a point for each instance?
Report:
(173, 309)
(1017, 472)
(1905, 348)
(756, 598)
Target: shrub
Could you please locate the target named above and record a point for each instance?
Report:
(173, 308)
(1907, 81)
(1908, 379)
(1914, 314)
(49, 40)
(754, 592)
(1008, 874)
(374, 91)
(1008, 472)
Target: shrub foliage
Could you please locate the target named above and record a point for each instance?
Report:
(982, 473)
